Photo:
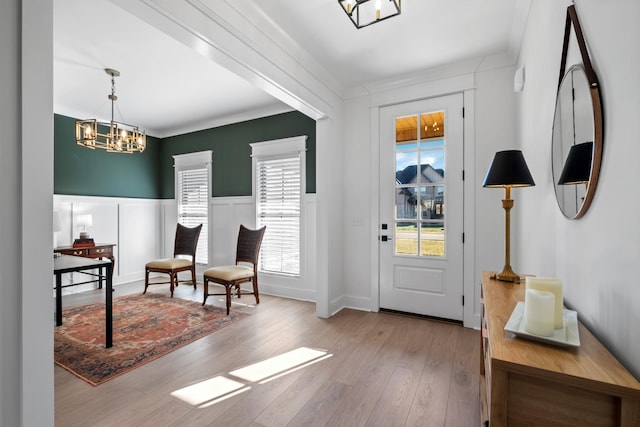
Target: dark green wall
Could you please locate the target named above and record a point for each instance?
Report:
(232, 154)
(81, 171)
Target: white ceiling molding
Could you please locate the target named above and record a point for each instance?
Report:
(215, 122)
(219, 38)
(425, 89)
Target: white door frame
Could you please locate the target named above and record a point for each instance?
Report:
(463, 84)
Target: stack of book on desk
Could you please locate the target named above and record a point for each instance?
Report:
(84, 243)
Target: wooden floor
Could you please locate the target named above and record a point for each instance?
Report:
(373, 369)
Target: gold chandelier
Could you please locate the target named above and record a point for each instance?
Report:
(114, 137)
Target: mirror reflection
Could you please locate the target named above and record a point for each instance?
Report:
(573, 143)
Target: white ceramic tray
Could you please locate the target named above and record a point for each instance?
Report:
(566, 337)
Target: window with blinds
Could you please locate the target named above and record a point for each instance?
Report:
(192, 178)
(279, 183)
(278, 207)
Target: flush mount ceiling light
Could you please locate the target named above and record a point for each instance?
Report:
(113, 136)
(366, 12)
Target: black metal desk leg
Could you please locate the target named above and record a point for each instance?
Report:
(58, 299)
(109, 306)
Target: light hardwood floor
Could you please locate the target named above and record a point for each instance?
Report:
(380, 369)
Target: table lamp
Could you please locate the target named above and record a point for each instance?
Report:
(85, 220)
(507, 170)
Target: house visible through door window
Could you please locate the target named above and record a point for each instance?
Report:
(279, 183)
(193, 178)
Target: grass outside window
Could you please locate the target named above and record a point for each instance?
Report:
(428, 245)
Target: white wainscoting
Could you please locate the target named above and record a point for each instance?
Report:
(138, 239)
(133, 225)
(227, 215)
(144, 229)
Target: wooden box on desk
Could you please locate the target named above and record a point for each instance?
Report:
(531, 383)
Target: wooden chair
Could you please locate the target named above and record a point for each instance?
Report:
(245, 269)
(185, 243)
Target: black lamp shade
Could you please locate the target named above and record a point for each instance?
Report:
(577, 168)
(508, 169)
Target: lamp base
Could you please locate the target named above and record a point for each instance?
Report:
(507, 275)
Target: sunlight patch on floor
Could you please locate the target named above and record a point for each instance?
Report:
(211, 391)
(285, 362)
(214, 390)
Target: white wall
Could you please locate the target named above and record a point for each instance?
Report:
(10, 313)
(357, 221)
(496, 129)
(26, 166)
(597, 256)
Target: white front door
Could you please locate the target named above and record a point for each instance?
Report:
(421, 207)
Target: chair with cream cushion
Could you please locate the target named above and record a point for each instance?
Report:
(185, 244)
(243, 271)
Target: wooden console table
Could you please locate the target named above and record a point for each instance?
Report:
(99, 251)
(525, 382)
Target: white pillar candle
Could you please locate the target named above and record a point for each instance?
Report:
(554, 286)
(538, 312)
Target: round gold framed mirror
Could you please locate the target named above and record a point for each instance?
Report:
(576, 143)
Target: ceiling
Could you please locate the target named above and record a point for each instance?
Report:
(167, 88)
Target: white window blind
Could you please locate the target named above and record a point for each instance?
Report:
(192, 174)
(278, 207)
(279, 183)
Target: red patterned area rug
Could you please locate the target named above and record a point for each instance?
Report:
(145, 327)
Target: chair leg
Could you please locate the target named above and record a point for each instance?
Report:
(146, 281)
(172, 280)
(205, 286)
(193, 277)
(228, 287)
(255, 289)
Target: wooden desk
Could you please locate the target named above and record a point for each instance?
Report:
(69, 264)
(99, 251)
(525, 382)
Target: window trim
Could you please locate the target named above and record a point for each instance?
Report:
(196, 160)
